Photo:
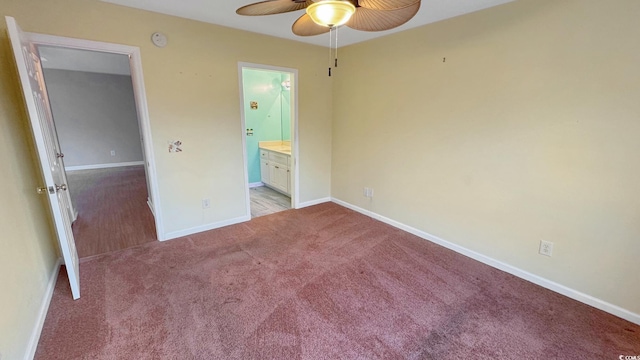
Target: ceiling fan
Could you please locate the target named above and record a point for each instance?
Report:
(323, 15)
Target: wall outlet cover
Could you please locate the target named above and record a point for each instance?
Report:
(546, 248)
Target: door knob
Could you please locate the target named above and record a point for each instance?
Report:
(61, 187)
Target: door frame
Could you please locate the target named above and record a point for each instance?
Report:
(139, 93)
(295, 174)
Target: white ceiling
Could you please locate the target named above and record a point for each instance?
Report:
(83, 60)
(223, 12)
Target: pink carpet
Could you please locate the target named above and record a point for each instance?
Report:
(319, 283)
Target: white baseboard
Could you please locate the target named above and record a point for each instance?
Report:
(151, 206)
(207, 227)
(256, 184)
(103, 166)
(538, 280)
(313, 202)
(42, 312)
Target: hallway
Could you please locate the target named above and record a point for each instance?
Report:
(112, 209)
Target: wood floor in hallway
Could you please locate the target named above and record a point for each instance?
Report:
(112, 209)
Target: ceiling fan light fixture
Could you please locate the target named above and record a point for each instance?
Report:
(331, 13)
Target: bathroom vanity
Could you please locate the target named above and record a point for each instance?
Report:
(275, 165)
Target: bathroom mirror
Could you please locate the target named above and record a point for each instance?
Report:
(285, 108)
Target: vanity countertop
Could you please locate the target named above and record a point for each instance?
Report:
(283, 147)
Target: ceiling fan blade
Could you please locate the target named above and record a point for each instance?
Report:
(304, 26)
(272, 7)
(386, 4)
(378, 20)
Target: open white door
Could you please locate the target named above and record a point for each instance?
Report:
(46, 140)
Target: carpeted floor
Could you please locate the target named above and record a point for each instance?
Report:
(112, 209)
(318, 283)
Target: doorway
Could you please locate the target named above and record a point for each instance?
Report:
(103, 176)
(268, 97)
(93, 106)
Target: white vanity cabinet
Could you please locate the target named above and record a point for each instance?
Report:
(275, 170)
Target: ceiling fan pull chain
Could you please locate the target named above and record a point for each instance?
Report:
(336, 63)
(330, 29)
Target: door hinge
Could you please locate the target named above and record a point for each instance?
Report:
(44, 190)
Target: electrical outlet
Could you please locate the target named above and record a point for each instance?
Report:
(113, 153)
(368, 192)
(546, 248)
(206, 203)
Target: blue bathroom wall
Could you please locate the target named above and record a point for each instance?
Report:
(265, 88)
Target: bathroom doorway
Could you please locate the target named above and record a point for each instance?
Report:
(268, 98)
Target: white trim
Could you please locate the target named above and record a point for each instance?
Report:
(245, 160)
(42, 313)
(102, 166)
(538, 280)
(150, 205)
(313, 202)
(295, 151)
(207, 227)
(139, 93)
(256, 184)
(144, 120)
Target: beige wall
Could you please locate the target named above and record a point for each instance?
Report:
(528, 131)
(193, 96)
